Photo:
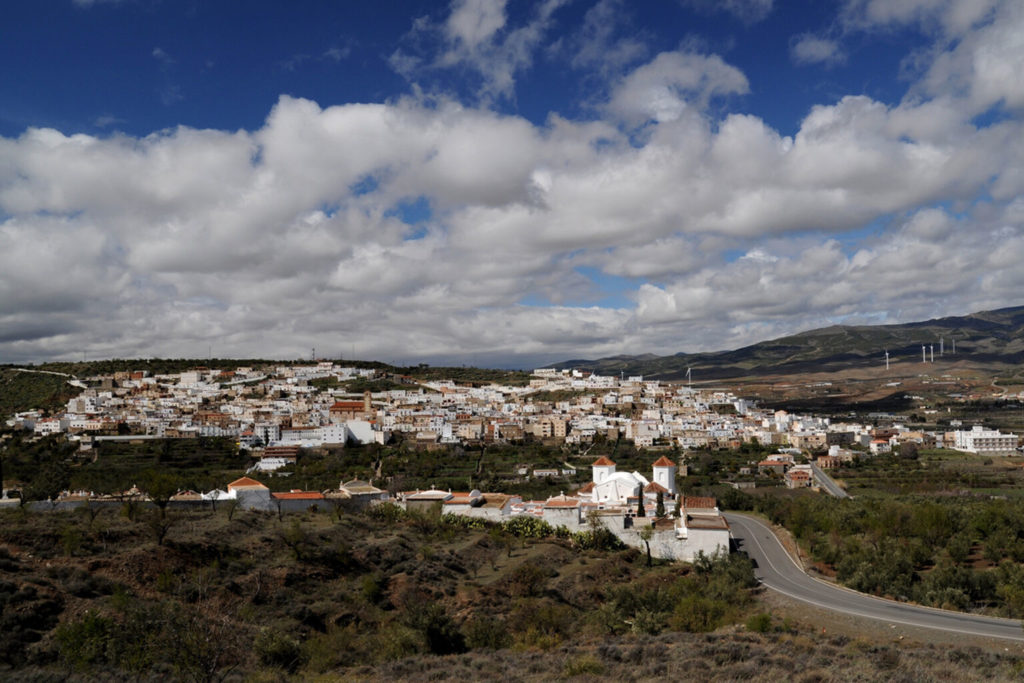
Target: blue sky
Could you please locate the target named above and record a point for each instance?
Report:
(138, 66)
(500, 182)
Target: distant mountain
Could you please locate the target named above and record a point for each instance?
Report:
(990, 339)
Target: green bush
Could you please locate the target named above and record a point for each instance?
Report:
(582, 665)
(649, 622)
(463, 522)
(697, 614)
(486, 632)
(760, 623)
(386, 512)
(441, 634)
(527, 527)
(85, 643)
(596, 539)
(278, 650)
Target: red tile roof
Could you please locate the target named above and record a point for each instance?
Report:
(655, 487)
(348, 405)
(281, 452)
(588, 488)
(663, 462)
(603, 461)
(562, 503)
(700, 502)
(245, 483)
(298, 495)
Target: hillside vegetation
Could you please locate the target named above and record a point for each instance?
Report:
(203, 593)
(32, 390)
(233, 595)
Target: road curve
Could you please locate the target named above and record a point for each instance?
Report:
(777, 570)
(827, 482)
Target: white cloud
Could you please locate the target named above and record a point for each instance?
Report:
(810, 49)
(160, 55)
(107, 120)
(665, 87)
(600, 43)
(951, 17)
(985, 65)
(477, 37)
(267, 242)
(473, 22)
(748, 11)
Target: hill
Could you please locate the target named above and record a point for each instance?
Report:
(384, 595)
(991, 341)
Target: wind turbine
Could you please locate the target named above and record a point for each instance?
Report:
(886, 360)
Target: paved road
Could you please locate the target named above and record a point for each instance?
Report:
(777, 570)
(828, 482)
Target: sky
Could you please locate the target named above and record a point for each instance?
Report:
(500, 182)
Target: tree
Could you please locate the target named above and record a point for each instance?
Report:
(297, 540)
(640, 511)
(660, 510)
(160, 486)
(232, 506)
(646, 534)
(52, 478)
(159, 524)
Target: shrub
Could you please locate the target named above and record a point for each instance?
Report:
(647, 622)
(596, 539)
(527, 527)
(698, 614)
(278, 650)
(373, 587)
(486, 632)
(442, 635)
(463, 522)
(760, 623)
(386, 512)
(526, 580)
(582, 665)
(85, 643)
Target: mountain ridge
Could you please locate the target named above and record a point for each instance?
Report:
(992, 340)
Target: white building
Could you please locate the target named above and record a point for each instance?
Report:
(333, 433)
(665, 474)
(51, 425)
(984, 441)
(610, 487)
(268, 432)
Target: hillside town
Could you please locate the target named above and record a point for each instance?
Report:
(276, 412)
(304, 405)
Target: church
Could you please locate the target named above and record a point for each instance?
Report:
(611, 489)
